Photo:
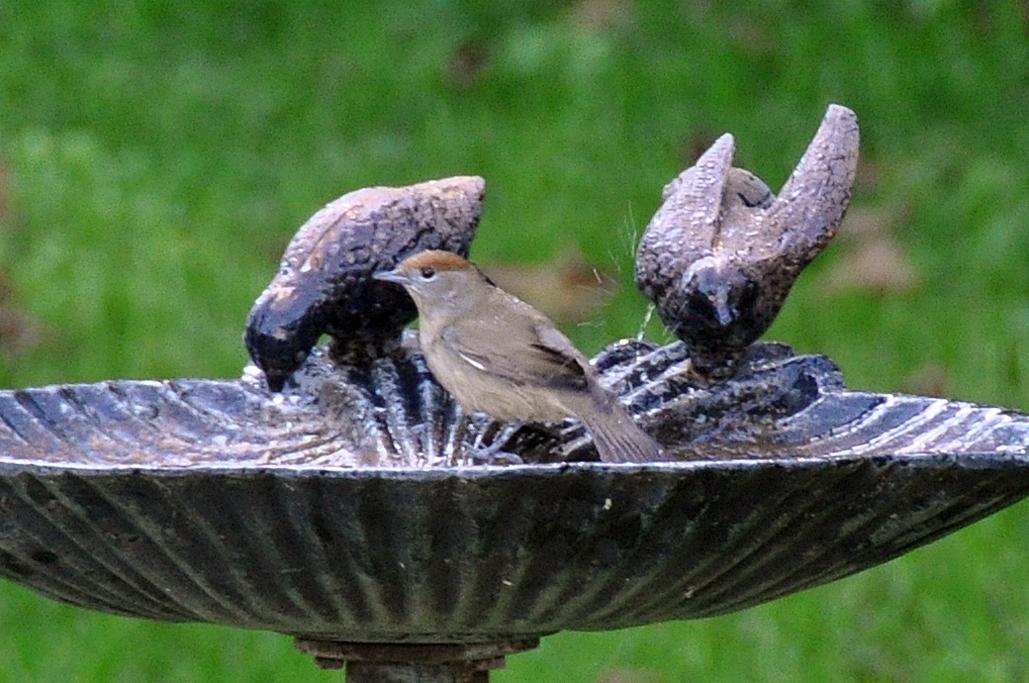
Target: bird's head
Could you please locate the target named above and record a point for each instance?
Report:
(435, 278)
(719, 297)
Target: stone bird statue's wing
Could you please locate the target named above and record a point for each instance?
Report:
(811, 205)
(686, 226)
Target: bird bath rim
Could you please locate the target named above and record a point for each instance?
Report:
(968, 458)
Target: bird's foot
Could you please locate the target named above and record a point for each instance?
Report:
(494, 453)
(491, 456)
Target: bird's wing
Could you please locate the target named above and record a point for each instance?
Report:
(544, 356)
(814, 200)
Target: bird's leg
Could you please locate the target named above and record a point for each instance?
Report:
(468, 433)
(493, 454)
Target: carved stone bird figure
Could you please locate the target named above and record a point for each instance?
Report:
(722, 252)
(498, 355)
(324, 283)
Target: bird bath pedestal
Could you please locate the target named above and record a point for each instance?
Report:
(389, 663)
(329, 494)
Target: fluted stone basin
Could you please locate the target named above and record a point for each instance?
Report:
(475, 554)
(198, 500)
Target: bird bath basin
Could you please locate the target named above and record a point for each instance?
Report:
(482, 560)
(346, 512)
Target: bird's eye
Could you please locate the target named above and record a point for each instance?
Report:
(428, 273)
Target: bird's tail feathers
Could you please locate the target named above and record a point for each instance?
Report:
(619, 439)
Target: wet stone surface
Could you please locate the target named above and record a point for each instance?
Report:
(388, 411)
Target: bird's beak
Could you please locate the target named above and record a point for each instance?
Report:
(723, 311)
(725, 315)
(392, 276)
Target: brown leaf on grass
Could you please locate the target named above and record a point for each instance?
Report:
(467, 63)
(863, 224)
(932, 379)
(869, 174)
(5, 196)
(752, 34)
(872, 259)
(629, 676)
(567, 290)
(599, 15)
(878, 266)
(693, 145)
(19, 332)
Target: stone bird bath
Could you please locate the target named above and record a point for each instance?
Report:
(347, 509)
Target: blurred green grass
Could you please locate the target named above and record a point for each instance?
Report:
(155, 159)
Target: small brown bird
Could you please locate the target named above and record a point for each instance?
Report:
(498, 355)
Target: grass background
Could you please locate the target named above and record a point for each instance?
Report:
(155, 159)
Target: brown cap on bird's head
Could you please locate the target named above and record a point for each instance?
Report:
(437, 259)
(425, 264)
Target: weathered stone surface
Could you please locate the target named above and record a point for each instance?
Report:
(722, 252)
(324, 283)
